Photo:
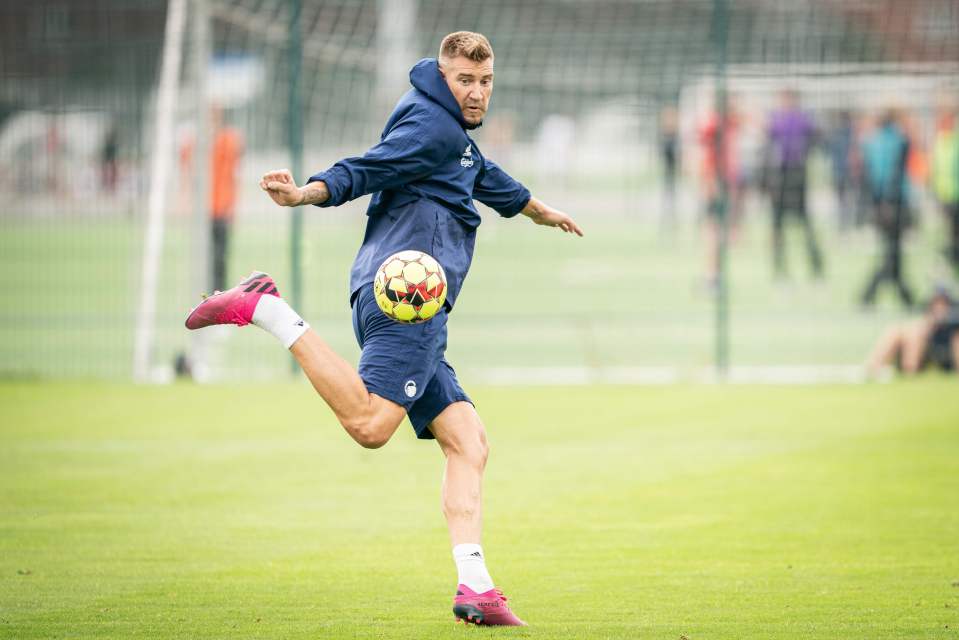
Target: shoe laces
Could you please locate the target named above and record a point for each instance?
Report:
(500, 594)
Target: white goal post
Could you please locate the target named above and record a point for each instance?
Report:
(160, 165)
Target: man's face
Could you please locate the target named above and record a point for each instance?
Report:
(471, 84)
(939, 308)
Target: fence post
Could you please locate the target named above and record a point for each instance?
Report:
(295, 142)
(720, 36)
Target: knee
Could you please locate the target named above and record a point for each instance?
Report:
(474, 450)
(371, 439)
(916, 332)
(479, 453)
(894, 334)
(369, 433)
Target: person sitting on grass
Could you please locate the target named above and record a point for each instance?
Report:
(915, 345)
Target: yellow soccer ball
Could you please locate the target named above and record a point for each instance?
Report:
(410, 287)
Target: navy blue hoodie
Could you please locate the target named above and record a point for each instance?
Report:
(424, 174)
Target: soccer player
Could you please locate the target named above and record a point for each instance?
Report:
(423, 175)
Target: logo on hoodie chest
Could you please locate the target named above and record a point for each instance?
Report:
(467, 160)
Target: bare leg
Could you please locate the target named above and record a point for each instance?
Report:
(462, 437)
(369, 419)
(884, 353)
(915, 340)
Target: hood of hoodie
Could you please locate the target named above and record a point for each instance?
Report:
(425, 76)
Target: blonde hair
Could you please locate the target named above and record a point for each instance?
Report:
(470, 45)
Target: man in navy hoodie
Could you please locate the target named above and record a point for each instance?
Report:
(423, 174)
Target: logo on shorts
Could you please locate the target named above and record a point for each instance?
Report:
(410, 388)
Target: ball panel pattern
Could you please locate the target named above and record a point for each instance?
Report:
(410, 287)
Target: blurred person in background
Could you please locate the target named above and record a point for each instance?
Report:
(108, 160)
(914, 345)
(55, 150)
(719, 167)
(917, 165)
(226, 151)
(885, 154)
(945, 179)
(841, 144)
(790, 136)
(669, 154)
(866, 125)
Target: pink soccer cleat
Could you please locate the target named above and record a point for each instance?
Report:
(233, 306)
(488, 608)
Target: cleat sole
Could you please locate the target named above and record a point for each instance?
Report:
(468, 614)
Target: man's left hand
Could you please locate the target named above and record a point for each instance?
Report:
(541, 213)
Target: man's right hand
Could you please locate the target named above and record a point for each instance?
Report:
(279, 185)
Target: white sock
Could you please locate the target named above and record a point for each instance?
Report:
(471, 566)
(275, 315)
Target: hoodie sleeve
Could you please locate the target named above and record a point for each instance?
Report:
(409, 152)
(496, 189)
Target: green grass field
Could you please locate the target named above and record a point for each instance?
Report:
(702, 512)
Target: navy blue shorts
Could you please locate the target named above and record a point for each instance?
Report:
(405, 363)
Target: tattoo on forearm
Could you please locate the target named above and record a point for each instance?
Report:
(533, 208)
(315, 193)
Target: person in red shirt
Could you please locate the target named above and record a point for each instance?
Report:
(716, 166)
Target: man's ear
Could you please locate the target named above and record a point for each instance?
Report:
(440, 63)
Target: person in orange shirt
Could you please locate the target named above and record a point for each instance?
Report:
(225, 153)
(719, 165)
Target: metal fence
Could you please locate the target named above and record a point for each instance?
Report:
(608, 110)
